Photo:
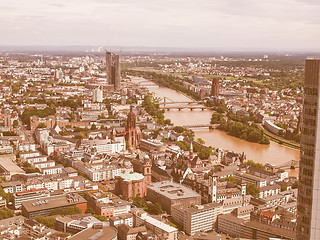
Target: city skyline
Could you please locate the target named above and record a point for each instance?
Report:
(184, 24)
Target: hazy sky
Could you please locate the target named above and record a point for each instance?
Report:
(215, 24)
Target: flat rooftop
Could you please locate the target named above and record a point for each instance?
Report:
(104, 233)
(249, 176)
(172, 190)
(52, 202)
(200, 208)
(9, 184)
(271, 229)
(10, 166)
(163, 226)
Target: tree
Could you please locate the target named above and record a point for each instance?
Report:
(139, 202)
(201, 141)
(217, 118)
(155, 208)
(101, 218)
(102, 116)
(6, 213)
(9, 133)
(168, 122)
(283, 187)
(189, 134)
(253, 190)
(27, 113)
(57, 211)
(205, 153)
(256, 165)
(15, 123)
(62, 133)
(164, 140)
(29, 168)
(7, 196)
(178, 129)
(90, 210)
(281, 133)
(15, 87)
(47, 221)
(72, 210)
(42, 125)
(183, 145)
(231, 179)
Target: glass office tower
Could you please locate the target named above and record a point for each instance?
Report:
(308, 219)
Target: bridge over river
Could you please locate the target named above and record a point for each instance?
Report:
(192, 105)
(211, 126)
(292, 164)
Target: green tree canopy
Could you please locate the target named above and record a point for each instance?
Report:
(253, 190)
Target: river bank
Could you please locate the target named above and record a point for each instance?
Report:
(274, 153)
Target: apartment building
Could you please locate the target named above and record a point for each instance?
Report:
(196, 218)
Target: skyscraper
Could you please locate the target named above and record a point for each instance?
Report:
(97, 95)
(108, 67)
(113, 70)
(308, 219)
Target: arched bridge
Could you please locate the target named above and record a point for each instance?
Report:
(290, 164)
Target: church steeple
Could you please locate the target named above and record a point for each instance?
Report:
(131, 131)
(147, 169)
(191, 152)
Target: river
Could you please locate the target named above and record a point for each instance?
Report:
(274, 153)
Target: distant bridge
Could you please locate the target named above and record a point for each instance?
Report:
(170, 103)
(184, 107)
(146, 83)
(212, 126)
(289, 164)
(181, 105)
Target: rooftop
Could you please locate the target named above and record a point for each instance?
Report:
(163, 226)
(105, 233)
(53, 202)
(7, 163)
(9, 184)
(199, 208)
(172, 190)
(229, 217)
(128, 177)
(271, 229)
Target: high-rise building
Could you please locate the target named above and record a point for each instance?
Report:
(308, 219)
(97, 95)
(113, 70)
(215, 88)
(7, 118)
(117, 74)
(108, 67)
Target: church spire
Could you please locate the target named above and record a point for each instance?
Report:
(191, 152)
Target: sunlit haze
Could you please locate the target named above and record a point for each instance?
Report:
(211, 24)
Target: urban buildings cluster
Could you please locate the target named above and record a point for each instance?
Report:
(81, 157)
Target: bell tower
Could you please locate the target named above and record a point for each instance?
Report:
(147, 169)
